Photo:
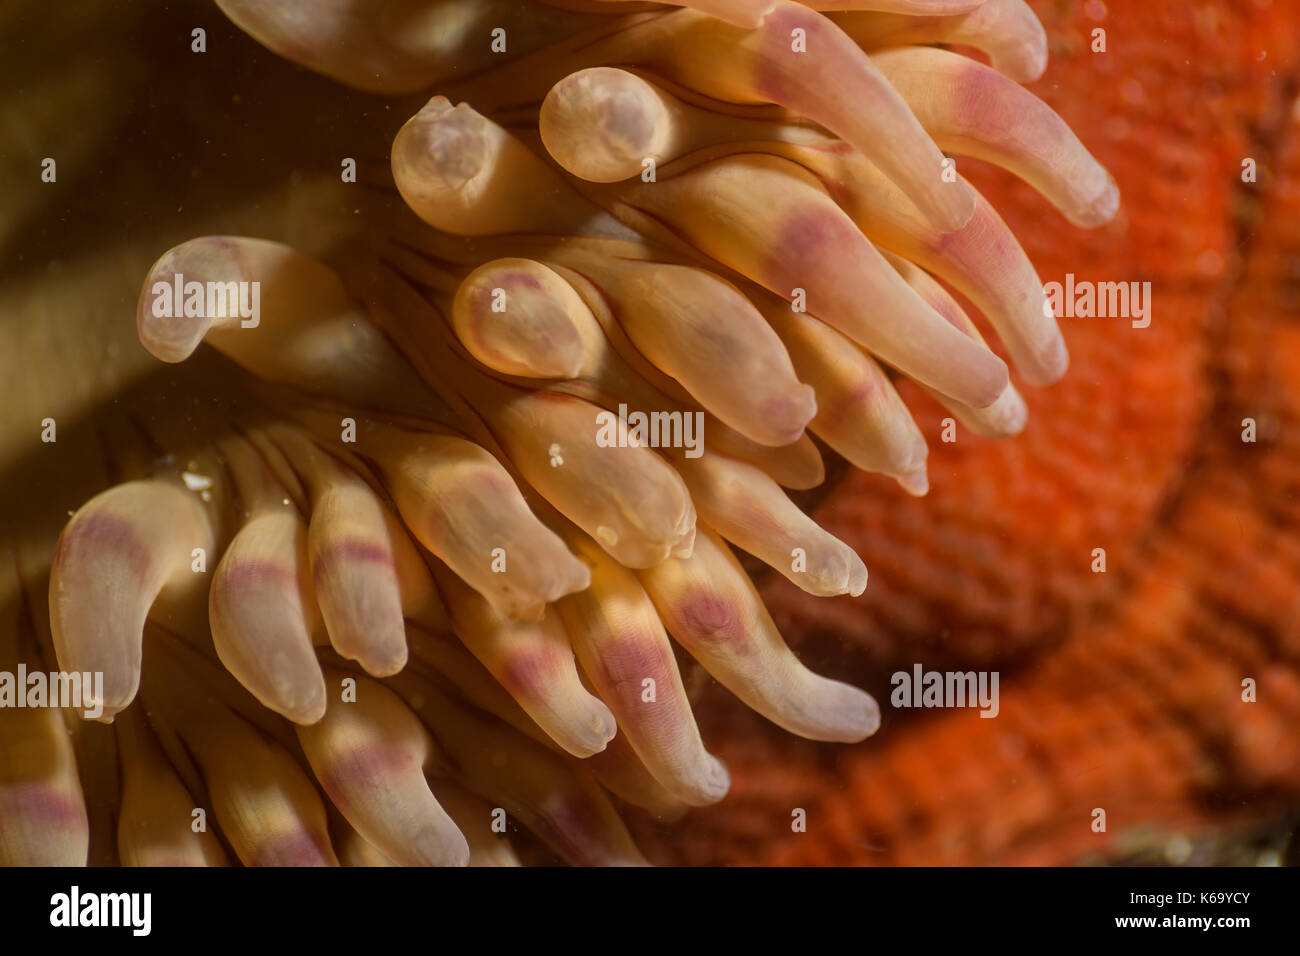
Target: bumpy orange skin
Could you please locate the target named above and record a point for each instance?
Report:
(1123, 690)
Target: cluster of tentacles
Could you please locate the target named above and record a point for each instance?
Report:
(415, 591)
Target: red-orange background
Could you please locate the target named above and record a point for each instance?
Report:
(1123, 690)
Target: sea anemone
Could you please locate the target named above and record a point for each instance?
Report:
(410, 584)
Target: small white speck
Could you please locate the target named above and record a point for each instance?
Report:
(196, 482)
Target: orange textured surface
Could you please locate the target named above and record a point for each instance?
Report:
(1121, 690)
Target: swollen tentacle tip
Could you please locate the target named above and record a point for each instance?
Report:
(916, 483)
(440, 846)
(381, 664)
(570, 576)
(710, 783)
(442, 160)
(865, 719)
(167, 328)
(915, 480)
(601, 727)
(117, 554)
(1009, 413)
(1027, 65)
(843, 572)
(301, 708)
(573, 577)
(600, 123)
(1025, 61)
(517, 316)
(448, 144)
(857, 575)
(1102, 208)
(788, 415)
(1048, 365)
(850, 715)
